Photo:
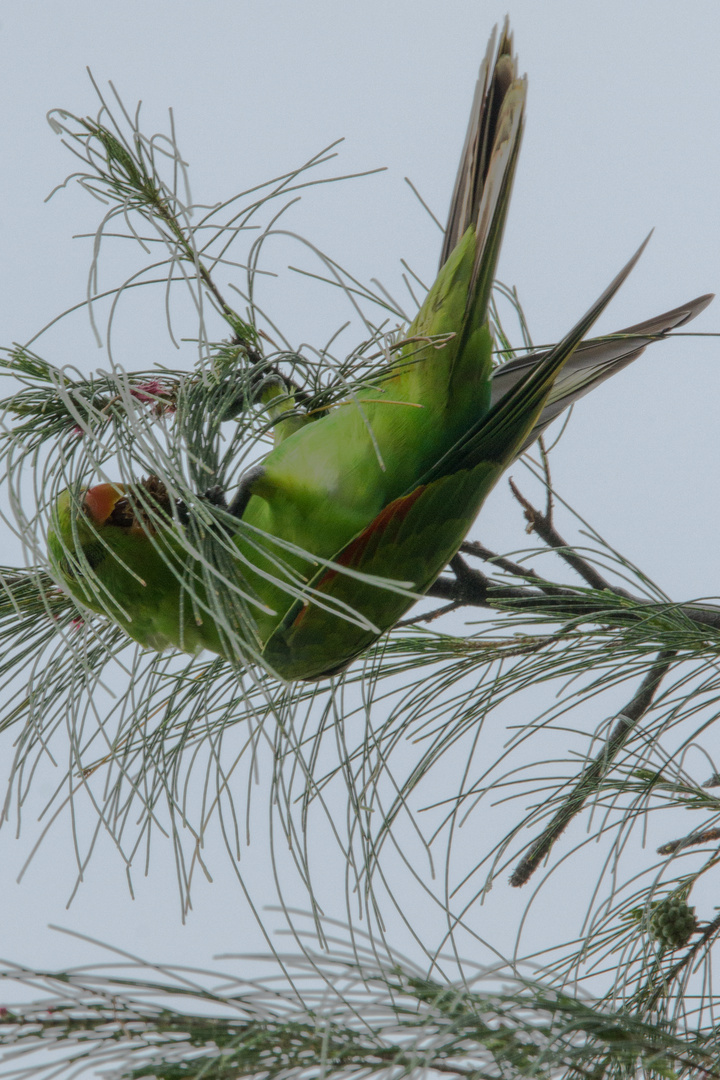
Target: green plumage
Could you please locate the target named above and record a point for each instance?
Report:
(387, 484)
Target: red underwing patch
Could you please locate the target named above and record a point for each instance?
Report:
(352, 554)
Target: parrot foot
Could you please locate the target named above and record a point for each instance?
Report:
(244, 490)
(216, 496)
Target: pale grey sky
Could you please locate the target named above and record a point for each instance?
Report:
(622, 136)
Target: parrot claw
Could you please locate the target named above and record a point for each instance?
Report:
(261, 387)
(216, 496)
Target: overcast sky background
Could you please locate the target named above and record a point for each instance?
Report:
(622, 136)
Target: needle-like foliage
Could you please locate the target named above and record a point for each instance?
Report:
(396, 769)
(339, 1016)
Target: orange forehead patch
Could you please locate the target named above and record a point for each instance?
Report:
(99, 501)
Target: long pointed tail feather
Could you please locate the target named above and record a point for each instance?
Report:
(473, 166)
(485, 178)
(487, 164)
(591, 363)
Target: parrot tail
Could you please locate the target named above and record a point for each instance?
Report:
(481, 139)
(487, 169)
(591, 363)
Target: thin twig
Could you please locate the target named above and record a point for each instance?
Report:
(542, 525)
(691, 840)
(474, 547)
(430, 616)
(593, 773)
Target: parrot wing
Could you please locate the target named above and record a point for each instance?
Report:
(498, 435)
(416, 535)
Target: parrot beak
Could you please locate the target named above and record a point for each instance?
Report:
(100, 501)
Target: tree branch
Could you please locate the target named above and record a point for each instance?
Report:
(542, 525)
(472, 588)
(704, 837)
(475, 589)
(591, 776)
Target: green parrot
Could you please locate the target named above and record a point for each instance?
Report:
(384, 486)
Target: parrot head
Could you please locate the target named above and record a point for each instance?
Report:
(108, 549)
(87, 530)
(80, 535)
